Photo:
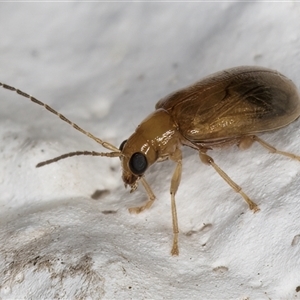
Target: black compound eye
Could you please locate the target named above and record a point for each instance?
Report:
(122, 145)
(138, 163)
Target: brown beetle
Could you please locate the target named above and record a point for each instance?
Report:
(228, 107)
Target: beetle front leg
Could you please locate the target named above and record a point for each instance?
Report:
(151, 198)
(206, 159)
(173, 189)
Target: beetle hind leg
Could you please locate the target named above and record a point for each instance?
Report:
(273, 149)
(206, 159)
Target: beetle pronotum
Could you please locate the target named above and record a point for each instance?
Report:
(228, 107)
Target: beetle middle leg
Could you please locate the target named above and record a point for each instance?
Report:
(247, 141)
(206, 159)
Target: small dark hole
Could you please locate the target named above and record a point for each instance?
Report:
(109, 212)
(99, 194)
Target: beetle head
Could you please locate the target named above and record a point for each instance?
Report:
(137, 156)
(154, 139)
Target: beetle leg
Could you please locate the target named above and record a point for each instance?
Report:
(151, 198)
(273, 149)
(209, 161)
(175, 181)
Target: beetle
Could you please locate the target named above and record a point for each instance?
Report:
(228, 107)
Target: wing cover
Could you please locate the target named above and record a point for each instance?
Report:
(233, 102)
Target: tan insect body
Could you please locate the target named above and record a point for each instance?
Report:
(228, 107)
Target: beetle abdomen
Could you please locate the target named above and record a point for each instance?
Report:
(233, 102)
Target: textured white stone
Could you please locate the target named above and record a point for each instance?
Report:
(105, 65)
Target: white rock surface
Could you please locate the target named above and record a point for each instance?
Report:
(104, 65)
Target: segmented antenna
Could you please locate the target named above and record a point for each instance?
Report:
(76, 153)
(104, 144)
